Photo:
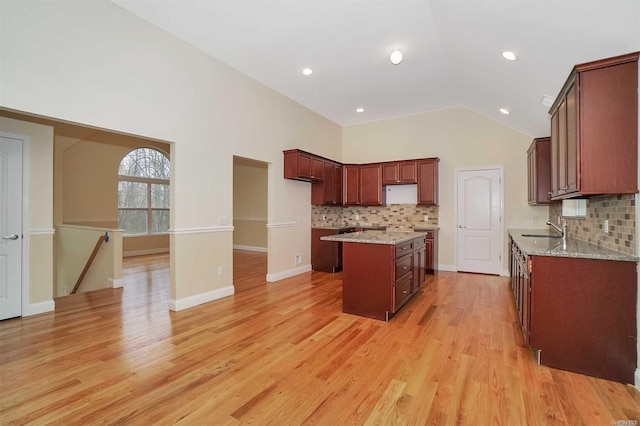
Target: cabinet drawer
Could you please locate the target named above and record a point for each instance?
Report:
(404, 248)
(403, 265)
(418, 243)
(402, 291)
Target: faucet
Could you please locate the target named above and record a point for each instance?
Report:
(562, 231)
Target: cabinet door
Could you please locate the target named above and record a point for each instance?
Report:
(337, 184)
(407, 172)
(371, 185)
(390, 173)
(428, 182)
(531, 175)
(304, 165)
(562, 148)
(351, 187)
(429, 259)
(572, 140)
(329, 184)
(317, 168)
(555, 150)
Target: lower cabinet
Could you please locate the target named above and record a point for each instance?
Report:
(580, 314)
(378, 279)
(326, 256)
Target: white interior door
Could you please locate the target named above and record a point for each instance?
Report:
(10, 227)
(479, 220)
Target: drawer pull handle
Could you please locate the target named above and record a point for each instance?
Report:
(404, 267)
(405, 292)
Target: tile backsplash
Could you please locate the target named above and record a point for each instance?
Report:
(396, 217)
(620, 210)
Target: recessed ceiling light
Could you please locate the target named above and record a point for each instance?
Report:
(396, 56)
(359, 109)
(307, 71)
(509, 56)
(504, 111)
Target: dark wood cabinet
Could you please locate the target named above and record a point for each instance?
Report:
(539, 171)
(378, 279)
(371, 191)
(351, 185)
(326, 256)
(578, 313)
(399, 172)
(334, 183)
(594, 130)
(329, 190)
(427, 181)
(419, 264)
(304, 166)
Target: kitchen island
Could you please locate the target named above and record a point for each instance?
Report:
(381, 271)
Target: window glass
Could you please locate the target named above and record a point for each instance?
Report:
(143, 192)
(133, 222)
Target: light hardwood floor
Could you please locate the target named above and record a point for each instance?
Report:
(284, 353)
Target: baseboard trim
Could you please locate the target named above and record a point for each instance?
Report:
(199, 299)
(115, 283)
(250, 248)
(145, 252)
(505, 273)
(289, 273)
(445, 267)
(40, 308)
(636, 378)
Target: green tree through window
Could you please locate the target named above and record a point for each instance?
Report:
(143, 192)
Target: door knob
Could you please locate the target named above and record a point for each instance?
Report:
(11, 237)
(461, 226)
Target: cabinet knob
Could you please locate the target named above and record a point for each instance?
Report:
(461, 226)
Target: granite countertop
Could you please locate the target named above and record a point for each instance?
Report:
(419, 228)
(374, 237)
(545, 246)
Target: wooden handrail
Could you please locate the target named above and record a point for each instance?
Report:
(101, 239)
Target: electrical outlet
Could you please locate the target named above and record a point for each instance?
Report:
(223, 220)
(357, 216)
(298, 259)
(426, 218)
(65, 290)
(324, 217)
(605, 226)
(220, 271)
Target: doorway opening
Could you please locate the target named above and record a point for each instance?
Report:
(250, 211)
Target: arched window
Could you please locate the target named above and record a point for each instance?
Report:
(143, 192)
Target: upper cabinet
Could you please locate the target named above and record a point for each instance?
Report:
(594, 130)
(371, 191)
(427, 181)
(538, 171)
(301, 165)
(399, 172)
(329, 190)
(351, 185)
(336, 184)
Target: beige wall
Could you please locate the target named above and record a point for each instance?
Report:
(460, 138)
(250, 206)
(96, 64)
(40, 201)
(74, 245)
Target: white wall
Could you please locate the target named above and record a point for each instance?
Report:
(96, 64)
(460, 138)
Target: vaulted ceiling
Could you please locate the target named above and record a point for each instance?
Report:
(452, 50)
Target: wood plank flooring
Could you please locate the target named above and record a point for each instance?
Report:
(284, 353)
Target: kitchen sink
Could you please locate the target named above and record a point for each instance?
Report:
(541, 236)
